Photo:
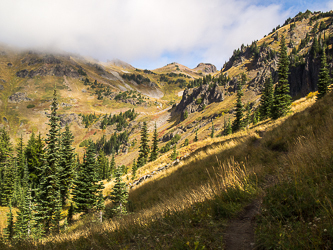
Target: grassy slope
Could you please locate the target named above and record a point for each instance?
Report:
(190, 205)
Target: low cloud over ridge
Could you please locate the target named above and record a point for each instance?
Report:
(146, 33)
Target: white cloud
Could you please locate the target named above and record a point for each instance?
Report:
(144, 31)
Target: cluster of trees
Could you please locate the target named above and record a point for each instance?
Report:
(137, 78)
(46, 176)
(120, 119)
(170, 143)
(112, 145)
(274, 103)
(89, 119)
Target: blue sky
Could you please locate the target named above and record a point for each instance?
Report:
(146, 33)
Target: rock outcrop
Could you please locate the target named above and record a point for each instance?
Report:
(69, 118)
(19, 97)
(195, 98)
(206, 67)
(58, 70)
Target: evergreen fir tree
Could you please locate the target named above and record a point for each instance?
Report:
(239, 122)
(282, 98)
(134, 169)
(144, 147)
(266, 101)
(229, 128)
(324, 79)
(49, 177)
(67, 164)
(103, 166)
(112, 167)
(315, 49)
(86, 188)
(20, 157)
(212, 133)
(196, 135)
(119, 194)
(174, 154)
(7, 173)
(23, 223)
(155, 149)
(9, 230)
(34, 153)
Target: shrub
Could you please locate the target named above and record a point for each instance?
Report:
(30, 106)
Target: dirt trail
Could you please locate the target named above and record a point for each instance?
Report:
(239, 235)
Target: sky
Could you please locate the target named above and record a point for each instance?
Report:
(146, 33)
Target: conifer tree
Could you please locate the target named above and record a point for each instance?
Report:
(7, 172)
(155, 149)
(239, 122)
(112, 167)
(20, 157)
(119, 194)
(266, 101)
(134, 169)
(103, 166)
(282, 98)
(49, 177)
(144, 147)
(212, 133)
(67, 164)
(196, 135)
(9, 230)
(324, 79)
(227, 127)
(86, 188)
(174, 154)
(34, 153)
(23, 223)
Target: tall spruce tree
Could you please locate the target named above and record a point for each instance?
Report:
(119, 194)
(213, 130)
(103, 166)
(10, 229)
(7, 173)
(282, 98)
(154, 151)
(34, 153)
(20, 157)
(67, 164)
(112, 167)
(24, 216)
(49, 177)
(266, 101)
(87, 188)
(324, 78)
(134, 169)
(144, 147)
(238, 123)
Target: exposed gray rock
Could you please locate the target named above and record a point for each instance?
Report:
(19, 97)
(1, 87)
(9, 64)
(22, 73)
(5, 119)
(57, 70)
(66, 105)
(207, 95)
(69, 118)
